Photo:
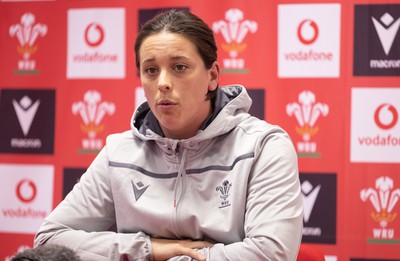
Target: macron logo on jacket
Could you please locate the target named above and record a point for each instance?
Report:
(138, 189)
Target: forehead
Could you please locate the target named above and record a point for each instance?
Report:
(167, 41)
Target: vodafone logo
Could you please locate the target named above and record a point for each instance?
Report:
(94, 35)
(307, 31)
(26, 190)
(386, 116)
(28, 197)
(309, 40)
(96, 43)
(375, 125)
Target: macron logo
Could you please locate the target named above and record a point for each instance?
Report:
(26, 111)
(385, 32)
(138, 189)
(310, 194)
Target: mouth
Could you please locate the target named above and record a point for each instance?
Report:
(166, 104)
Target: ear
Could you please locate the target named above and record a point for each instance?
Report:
(214, 76)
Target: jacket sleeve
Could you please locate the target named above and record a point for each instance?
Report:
(274, 208)
(89, 208)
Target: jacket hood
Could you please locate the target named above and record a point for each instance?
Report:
(231, 107)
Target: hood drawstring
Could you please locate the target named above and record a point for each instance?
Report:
(181, 172)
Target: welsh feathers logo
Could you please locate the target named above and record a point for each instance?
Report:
(234, 29)
(307, 111)
(383, 198)
(224, 193)
(27, 32)
(92, 111)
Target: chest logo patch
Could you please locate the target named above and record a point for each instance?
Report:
(138, 189)
(224, 193)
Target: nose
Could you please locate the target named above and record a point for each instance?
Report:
(164, 81)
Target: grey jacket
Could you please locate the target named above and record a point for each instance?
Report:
(234, 184)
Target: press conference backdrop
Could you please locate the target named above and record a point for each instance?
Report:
(326, 71)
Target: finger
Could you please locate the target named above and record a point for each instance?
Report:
(191, 252)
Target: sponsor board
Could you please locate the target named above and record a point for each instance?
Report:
(382, 198)
(235, 28)
(258, 106)
(375, 126)
(27, 31)
(96, 43)
(309, 40)
(91, 110)
(27, 199)
(377, 40)
(307, 111)
(319, 197)
(30, 117)
(71, 176)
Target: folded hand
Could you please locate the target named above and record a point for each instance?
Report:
(163, 249)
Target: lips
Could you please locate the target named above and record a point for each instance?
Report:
(166, 104)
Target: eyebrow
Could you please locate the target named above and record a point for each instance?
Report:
(173, 58)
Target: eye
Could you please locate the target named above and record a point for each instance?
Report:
(151, 70)
(180, 67)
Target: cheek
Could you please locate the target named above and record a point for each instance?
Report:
(196, 96)
(147, 85)
(148, 92)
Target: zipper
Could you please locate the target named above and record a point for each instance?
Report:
(175, 148)
(180, 181)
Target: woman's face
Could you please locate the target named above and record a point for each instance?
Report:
(175, 82)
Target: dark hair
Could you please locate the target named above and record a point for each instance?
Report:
(186, 24)
(47, 253)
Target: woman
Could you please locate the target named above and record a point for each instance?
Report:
(196, 178)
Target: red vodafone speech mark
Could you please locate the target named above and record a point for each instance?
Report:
(31, 185)
(390, 108)
(314, 27)
(95, 42)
